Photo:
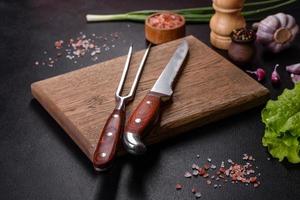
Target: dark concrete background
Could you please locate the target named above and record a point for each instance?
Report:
(39, 161)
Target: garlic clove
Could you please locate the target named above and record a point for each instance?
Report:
(271, 46)
(294, 68)
(282, 19)
(295, 78)
(294, 32)
(270, 24)
(274, 47)
(264, 37)
(255, 25)
(277, 31)
(278, 48)
(290, 21)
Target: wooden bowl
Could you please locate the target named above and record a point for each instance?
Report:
(164, 27)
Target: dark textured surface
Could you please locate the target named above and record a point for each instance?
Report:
(39, 161)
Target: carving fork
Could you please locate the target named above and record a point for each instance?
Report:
(111, 133)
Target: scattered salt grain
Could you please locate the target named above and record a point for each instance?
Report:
(245, 157)
(193, 190)
(194, 166)
(206, 166)
(178, 186)
(206, 175)
(201, 171)
(58, 44)
(81, 46)
(198, 195)
(213, 166)
(187, 175)
(93, 53)
(235, 172)
(95, 58)
(222, 164)
(195, 172)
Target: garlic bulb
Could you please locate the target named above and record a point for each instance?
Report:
(276, 32)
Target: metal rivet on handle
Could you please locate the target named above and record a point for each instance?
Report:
(109, 134)
(103, 155)
(137, 120)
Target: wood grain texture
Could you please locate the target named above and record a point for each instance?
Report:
(209, 88)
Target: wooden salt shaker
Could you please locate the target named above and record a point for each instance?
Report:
(227, 17)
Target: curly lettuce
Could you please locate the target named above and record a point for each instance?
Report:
(282, 120)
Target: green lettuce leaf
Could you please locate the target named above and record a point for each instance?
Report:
(282, 120)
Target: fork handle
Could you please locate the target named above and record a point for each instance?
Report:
(108, 141)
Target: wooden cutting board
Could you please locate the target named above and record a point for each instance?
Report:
(209, 88)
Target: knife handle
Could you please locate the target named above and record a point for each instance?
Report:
(108, 141)
(143, 118)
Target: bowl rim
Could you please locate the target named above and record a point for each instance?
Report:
(163, 12)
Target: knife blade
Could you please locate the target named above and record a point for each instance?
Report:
(147, 114)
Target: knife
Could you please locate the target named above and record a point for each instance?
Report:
(147, 113)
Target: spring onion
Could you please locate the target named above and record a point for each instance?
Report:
(199, 15)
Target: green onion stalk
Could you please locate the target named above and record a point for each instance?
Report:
(196, 15)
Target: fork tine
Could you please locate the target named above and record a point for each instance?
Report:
(124, 74)
(138, 74)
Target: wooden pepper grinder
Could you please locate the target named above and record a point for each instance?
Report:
(227, 17)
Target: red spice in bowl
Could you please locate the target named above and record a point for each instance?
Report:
(164, 27)
(166, 20)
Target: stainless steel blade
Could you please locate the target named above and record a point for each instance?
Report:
(164, 83)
